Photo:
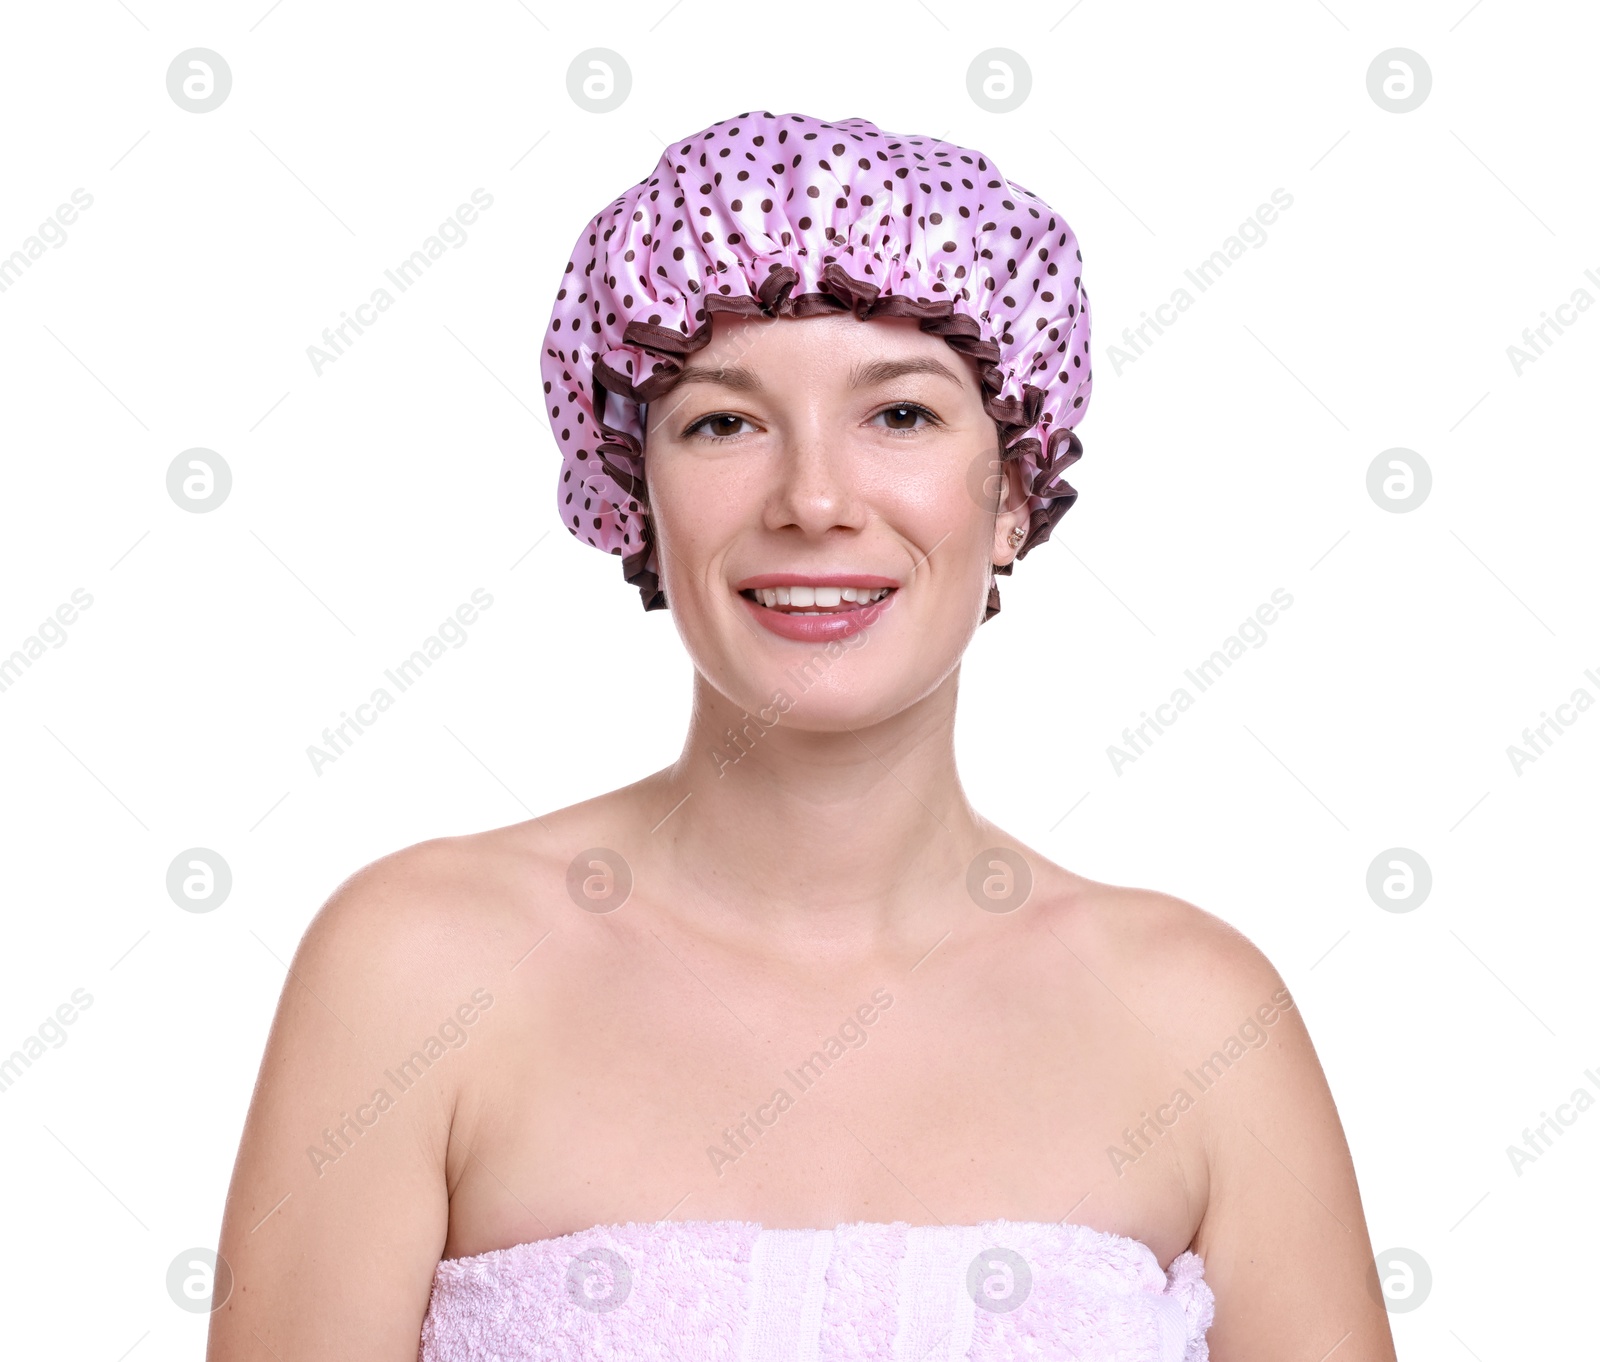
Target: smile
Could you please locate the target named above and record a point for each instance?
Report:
(817, 610)
(817, 599)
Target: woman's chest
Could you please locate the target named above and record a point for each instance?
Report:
(636, 1093)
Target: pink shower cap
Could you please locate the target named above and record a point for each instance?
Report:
(781, 215)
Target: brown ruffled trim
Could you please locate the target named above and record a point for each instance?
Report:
(635, 573)
(622, 456)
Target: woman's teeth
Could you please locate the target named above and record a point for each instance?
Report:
(828, 597)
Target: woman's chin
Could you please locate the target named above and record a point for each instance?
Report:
(825, 695)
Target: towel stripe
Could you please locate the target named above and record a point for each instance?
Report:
(935, 1313)
(815, 1293)
(788, 1278)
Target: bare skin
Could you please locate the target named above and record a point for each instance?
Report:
(596, 1067)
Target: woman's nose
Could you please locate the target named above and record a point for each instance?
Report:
(814, 484)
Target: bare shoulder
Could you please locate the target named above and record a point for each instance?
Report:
(434, 901)
(1283, 1236)
(425, 920)
(338, 1210)
(1193, 971)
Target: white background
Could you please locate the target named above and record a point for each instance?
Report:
(368, 502)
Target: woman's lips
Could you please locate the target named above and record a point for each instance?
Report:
(814, 625)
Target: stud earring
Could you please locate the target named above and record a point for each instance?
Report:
(1016, 537)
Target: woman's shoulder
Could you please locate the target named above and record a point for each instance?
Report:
(1183, 970)
(1277, 1168)
(444, 882)
(397, 1006)
(453, 904)
(420, 893)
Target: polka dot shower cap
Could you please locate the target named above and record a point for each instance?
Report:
(781, 215)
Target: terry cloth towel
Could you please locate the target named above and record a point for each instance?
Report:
(733, 1291)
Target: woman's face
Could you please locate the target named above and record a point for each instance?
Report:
(829, 455)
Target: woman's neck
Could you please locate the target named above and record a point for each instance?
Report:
(851, 835)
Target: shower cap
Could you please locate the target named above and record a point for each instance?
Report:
(783, 215)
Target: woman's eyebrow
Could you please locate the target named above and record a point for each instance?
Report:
(882, 370)
(878, 371)
(727, 375)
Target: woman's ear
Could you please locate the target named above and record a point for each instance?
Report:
(1012, 512)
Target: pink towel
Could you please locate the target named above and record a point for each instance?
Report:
(731, 1290)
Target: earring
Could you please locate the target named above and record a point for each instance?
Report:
(1016, 537)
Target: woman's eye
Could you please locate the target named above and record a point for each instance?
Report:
(902, 417)
(718, 426)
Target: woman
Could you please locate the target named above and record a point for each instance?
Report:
(785, 1051)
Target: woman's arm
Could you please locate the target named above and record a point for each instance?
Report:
(1282, 1233)
(338, 1209)
(1283, 1237)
